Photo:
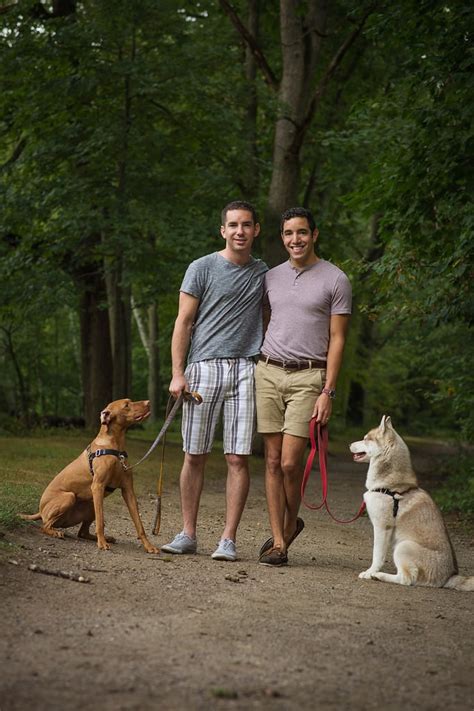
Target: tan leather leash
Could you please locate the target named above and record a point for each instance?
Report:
(319, 446)
(185, 395)
(193, 397)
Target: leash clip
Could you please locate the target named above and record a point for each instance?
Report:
(192, 396)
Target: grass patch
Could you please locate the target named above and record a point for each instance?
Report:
(17, 496)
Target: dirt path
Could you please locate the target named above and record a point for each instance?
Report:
(187, 632)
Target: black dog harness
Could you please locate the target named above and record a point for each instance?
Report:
(396, 496)
(100, 453)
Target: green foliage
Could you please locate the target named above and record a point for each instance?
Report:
(124, 129)
(457, 493)
(418, 131)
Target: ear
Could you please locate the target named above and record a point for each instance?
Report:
(105, 416)
(385, 422)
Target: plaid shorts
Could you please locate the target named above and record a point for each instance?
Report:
(226, 385)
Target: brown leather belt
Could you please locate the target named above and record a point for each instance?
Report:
(293, 364)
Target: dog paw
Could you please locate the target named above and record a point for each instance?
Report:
(152, 549)
(103, 545)
(376, 576)
(366, 574)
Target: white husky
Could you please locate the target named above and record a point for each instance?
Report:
(404, 516)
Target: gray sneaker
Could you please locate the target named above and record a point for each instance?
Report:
(225, 550)
(181, 543)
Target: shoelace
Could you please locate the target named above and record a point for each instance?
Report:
(227, 543)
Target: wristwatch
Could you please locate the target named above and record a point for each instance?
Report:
(330, 393)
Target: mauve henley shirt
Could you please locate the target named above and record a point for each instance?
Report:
(302, 303)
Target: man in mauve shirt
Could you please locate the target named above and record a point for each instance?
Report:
(307, 307)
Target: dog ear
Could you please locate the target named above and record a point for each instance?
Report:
(386, 423)
(105, 417)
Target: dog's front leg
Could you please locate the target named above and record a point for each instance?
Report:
(98, 496)
(132, 505)
(382, 537)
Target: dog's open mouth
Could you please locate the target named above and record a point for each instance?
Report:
(358, 456)
(141, 417)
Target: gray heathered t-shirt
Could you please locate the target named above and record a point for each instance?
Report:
(228, 321)
(302, 303)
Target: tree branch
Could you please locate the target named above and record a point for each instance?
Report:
(268, 74)
(19, 148)
(333, 66)
(5, 8)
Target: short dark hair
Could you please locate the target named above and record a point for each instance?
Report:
(239, 205)
(298, 212)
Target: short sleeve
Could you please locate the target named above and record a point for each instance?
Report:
(342, 296)
(194, 280)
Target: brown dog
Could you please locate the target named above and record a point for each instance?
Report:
(76, 494)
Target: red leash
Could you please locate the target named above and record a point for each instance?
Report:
(320, 446)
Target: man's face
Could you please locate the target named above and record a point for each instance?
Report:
(239, 230)
(298, 239)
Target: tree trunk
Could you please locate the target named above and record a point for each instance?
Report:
(120, 334)
(366, 345)
(154, 376)
(251, 168)
(149, 339)
(96, 352)
(22, 386)
(300, 45)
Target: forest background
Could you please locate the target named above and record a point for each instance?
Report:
(126, 127)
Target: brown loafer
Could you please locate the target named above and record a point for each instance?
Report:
(269, 542)
(275, 556)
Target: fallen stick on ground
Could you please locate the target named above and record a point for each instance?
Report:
(59, 573)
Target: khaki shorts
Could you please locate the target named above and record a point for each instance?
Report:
(286, 398)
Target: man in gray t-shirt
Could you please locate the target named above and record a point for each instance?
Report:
(219, 328)
(307, 306)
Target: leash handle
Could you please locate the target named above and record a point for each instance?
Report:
(192, 396)
(319, 445)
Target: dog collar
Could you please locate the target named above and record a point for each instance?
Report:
(396, 496)
(100, 453)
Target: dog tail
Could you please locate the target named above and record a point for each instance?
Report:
(460, 582)
(30, 517)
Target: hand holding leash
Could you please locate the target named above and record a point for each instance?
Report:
(319, 445)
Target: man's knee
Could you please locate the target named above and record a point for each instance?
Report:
(291, 468)
(237, 462)
(194, 461)
(273, 463)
